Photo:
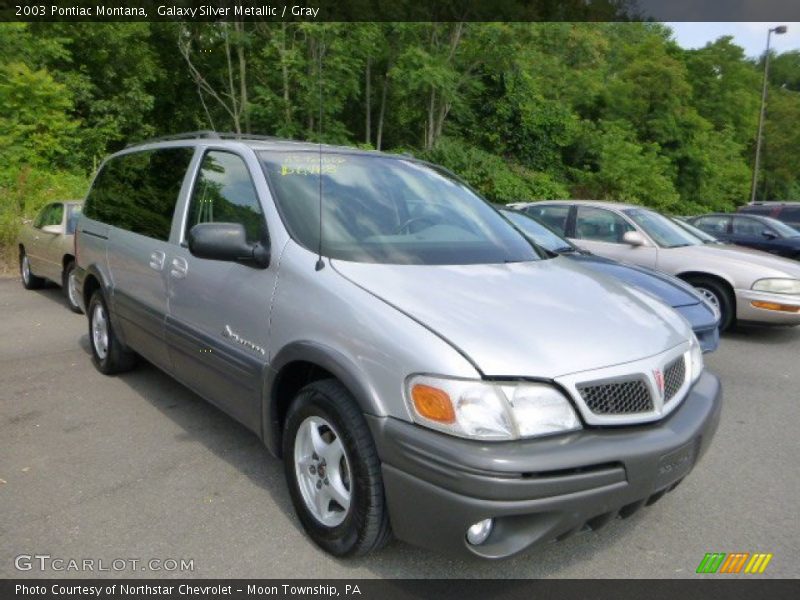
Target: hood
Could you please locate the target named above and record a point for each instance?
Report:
(534, 319)
(748, 260)
(666, 288)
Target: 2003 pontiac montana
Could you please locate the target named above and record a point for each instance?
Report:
(421, 367)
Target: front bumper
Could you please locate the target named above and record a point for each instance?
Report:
(705, 324)
(536, 490)
(746, 312)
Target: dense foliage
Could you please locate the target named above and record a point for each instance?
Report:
(520, 110)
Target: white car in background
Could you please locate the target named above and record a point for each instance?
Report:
(47, 249)
(745, 285)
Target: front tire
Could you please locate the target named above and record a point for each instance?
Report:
(29, 280)
(718, 296)
(70, 287)
(333, 471)
(108, 353)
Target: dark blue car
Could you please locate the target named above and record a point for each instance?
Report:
(753, 231)
(670, 290)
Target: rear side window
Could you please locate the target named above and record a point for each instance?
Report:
(554, 217)
(138, 191)
(790, 215)
(224, 193)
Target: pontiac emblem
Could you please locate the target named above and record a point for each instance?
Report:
(658, 375)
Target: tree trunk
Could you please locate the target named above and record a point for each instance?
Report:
(239, 25)
(368, 94)
(235, 112)
(382, 111)
(287, 105)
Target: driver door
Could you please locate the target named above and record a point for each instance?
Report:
(601, 231)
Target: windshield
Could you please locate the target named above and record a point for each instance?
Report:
(388, 210)
(74, 211)
(781, 228)
(661, 229)
(539, 233)
(696, 231)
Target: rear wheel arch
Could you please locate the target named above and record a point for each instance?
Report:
(294, 367)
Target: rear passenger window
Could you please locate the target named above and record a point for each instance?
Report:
(553, 216)
(138, 191)
(52, 214)
(224, 193)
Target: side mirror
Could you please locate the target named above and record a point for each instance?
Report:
(770, 235)
(226, 242)
(54, 229)
(633, 238)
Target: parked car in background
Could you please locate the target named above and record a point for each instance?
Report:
(419, 365)
(745, 285)
(701, 314)
(47, 249)
(786, 212)
(706, 238)
(753, 231)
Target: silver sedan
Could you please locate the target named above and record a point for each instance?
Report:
(46, 249)
(745, 285)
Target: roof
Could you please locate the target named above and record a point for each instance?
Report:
(597, 203)
(256, 142)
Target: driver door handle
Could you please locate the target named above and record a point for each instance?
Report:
(157, 259)
(179, 268)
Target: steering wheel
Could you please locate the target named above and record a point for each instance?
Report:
(407, 225)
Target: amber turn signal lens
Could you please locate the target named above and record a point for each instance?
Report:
(433, 403)
(775, 306)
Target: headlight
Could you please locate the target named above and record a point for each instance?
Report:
(488, 410)
(778, 286)
(695, 359)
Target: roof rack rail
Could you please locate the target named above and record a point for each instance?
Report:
(208, 134)
(189, 135)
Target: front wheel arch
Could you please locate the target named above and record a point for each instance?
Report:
(694, 278)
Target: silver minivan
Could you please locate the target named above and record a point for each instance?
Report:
(423, 370)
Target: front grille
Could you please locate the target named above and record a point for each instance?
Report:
(618, 398)
(674, 376)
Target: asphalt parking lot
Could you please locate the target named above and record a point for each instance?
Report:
(139, 467)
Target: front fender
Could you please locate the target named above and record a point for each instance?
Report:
(324, 357)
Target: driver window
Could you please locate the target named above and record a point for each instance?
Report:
(224, 193)
(713, 225)
(748, 227)
(600, 225)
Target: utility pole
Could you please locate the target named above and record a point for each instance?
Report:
(780, 29)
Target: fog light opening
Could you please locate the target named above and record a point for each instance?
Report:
(479, 532)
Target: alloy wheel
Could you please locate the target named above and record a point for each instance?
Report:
(323, 471)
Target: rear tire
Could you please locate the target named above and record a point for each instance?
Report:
(29, 280)
(70, 288)
(719, 296)
(109, 355)
(330, 461)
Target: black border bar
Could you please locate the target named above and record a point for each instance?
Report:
(723, 587)
(400, 10)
